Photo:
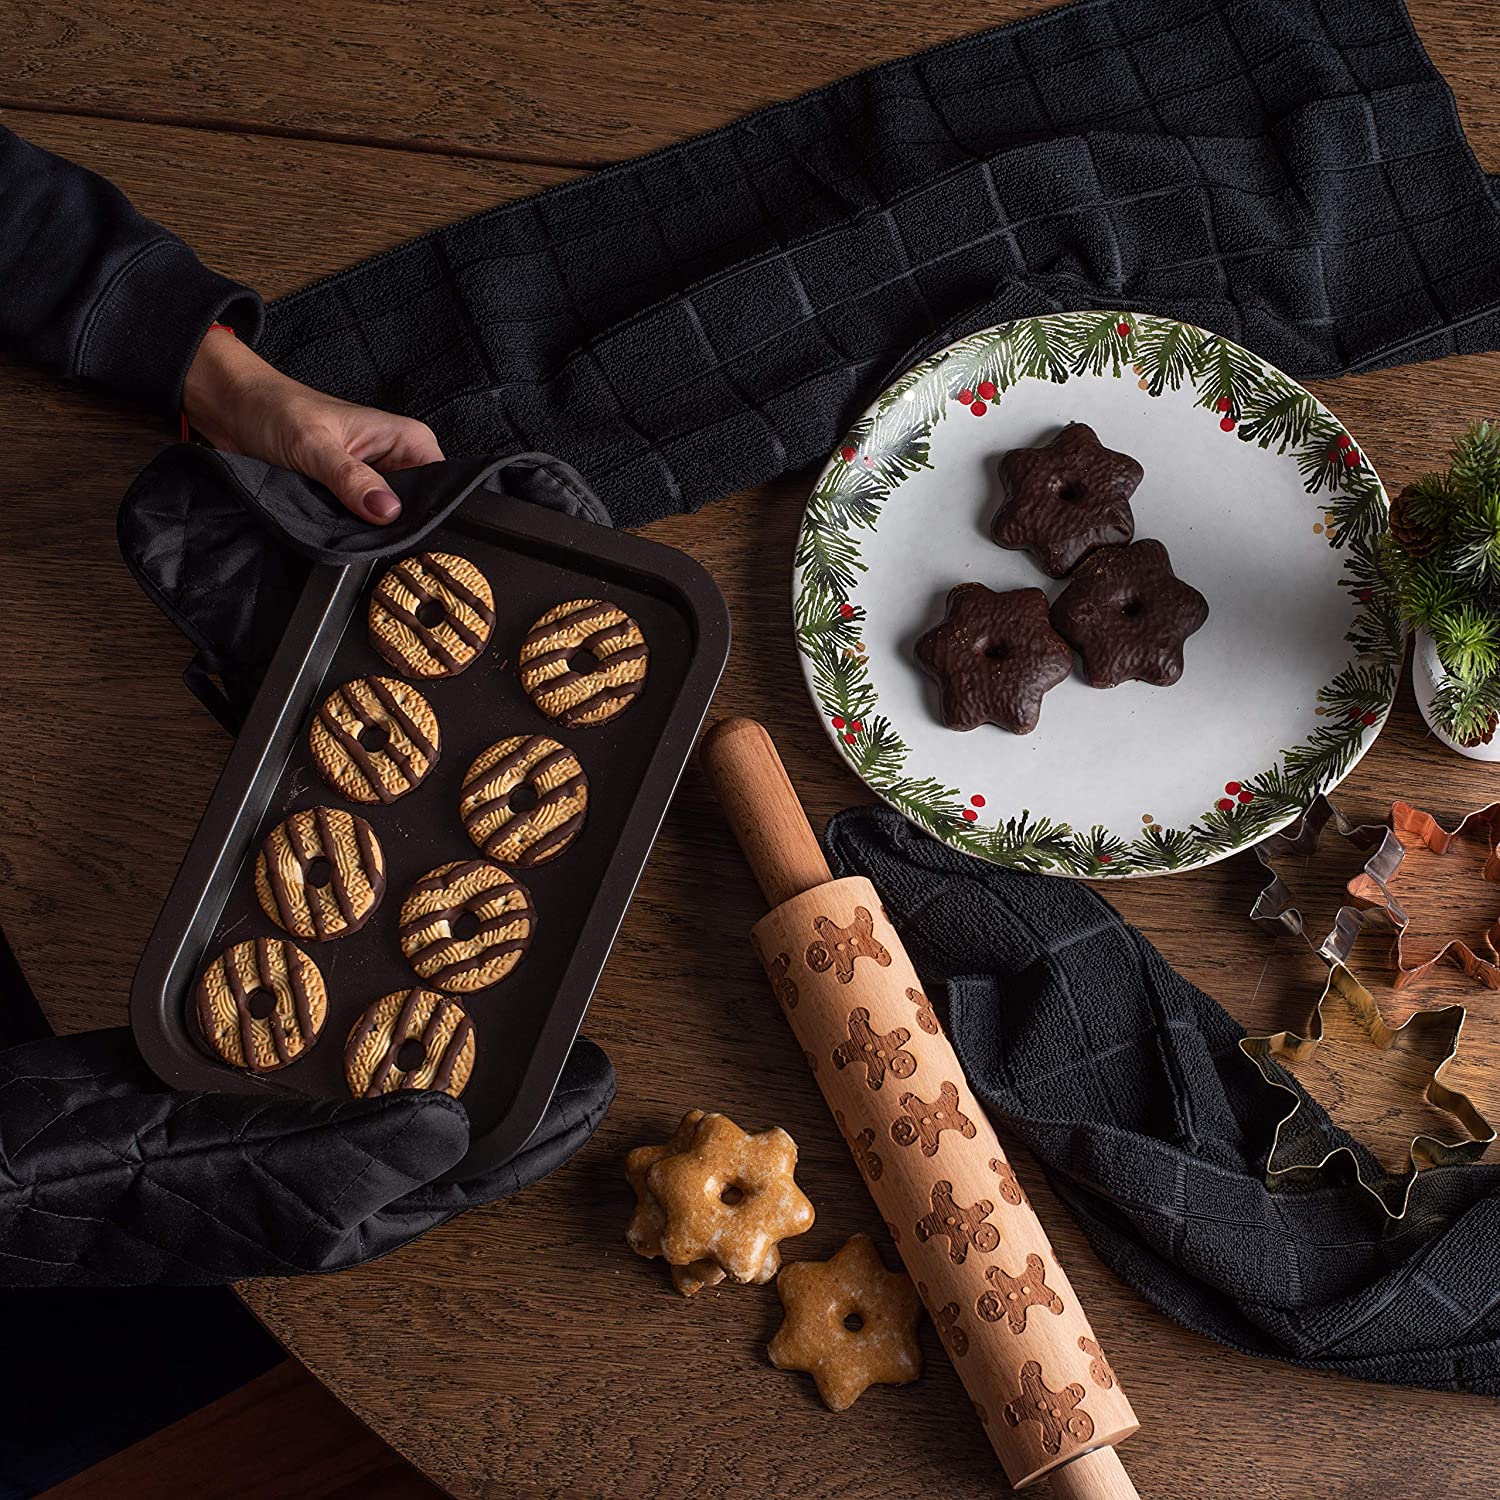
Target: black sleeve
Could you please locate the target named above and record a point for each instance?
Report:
(90, 287)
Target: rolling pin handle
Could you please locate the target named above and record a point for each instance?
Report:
(763, 810)
(1098, 1475)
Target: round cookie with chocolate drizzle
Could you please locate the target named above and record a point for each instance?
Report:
(583, 662)
(465, 926)
(320, 873)
(524, 800)
(374, 739)
(431, 614)
(261, 1004)
(412, 1039)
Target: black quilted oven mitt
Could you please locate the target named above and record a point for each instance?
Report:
(107, 1179)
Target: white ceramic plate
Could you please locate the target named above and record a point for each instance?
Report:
(1267, 507)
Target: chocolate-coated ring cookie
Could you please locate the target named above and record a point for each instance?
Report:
(431, 614)
(320, 874)
(261, 1004)
(412, 1039)
(374, 739)
(524, 800)
(583, 662)
(432, 935)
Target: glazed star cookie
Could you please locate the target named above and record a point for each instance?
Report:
(850, 1323)
(728, 1198)
(995, 655)
(374, 739)
(320, 874)
(412, 1039)
(1066, 498)
(261, 1004)
(431, 614)
(644, 1232)
(524, 800)
(1128, 614)
(466, 925)
(583, 662)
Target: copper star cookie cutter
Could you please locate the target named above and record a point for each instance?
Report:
(1375, 890)
(1279, 903)
(1428, 1034)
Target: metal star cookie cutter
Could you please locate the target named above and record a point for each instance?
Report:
(1427, 1033)
(1278, 903)
(1374, 888)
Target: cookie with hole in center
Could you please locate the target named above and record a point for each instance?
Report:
(466, 925)
(850, 1323)
(374, 739)
(583, 662)
(1128, 614)
(320, 873)
(995, 656)
(1065, 498)
(524, 800)
(261, 1004)
(412, 1039)
(431, 614)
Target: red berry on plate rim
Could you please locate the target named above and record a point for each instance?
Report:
(847, 611)
(837, 722)
(987, 389)
(1368, 720)
(977, 799)
(1363, 596)
(1225, 804)
(858, 726)
(1247, 796)
(848, 739)
(1123, 329)
(970, 815)
(847, 454)
(1222, 404)
(1345, 441)
(1351, 458)
(1106, 859)
(1232, 787)
(966, 395)
(1227, 424)
(979, 408)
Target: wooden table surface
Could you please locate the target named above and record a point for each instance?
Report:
(523, 1349)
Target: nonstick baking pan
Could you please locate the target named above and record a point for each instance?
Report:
(524, 1026)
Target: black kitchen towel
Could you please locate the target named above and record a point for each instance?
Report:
(1128, 1085)
(1291, 173)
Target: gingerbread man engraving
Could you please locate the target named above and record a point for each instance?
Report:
(926, 1015)
(963, 1227)
(867, 1160)
(1014, 1296)
(782, 986)
(838, 947)
(1057, 1413)
(950, 1330)
(878, 1051)
(1099, 1367)
(1010, 1185)
(925, 1122)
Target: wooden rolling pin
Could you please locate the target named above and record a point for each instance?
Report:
(1049, 1401)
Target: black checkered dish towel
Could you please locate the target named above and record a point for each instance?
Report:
(1291, 173)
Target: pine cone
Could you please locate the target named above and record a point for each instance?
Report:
(1414, 539)
(1486, 736)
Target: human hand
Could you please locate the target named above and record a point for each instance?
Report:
(241, 404)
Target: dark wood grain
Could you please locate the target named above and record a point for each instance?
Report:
(522, 1349)
(575, 81)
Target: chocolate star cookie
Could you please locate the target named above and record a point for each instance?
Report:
(995, 655)
(1128, 614)
(1066, 498)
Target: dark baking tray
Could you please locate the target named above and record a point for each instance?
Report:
(534, 558)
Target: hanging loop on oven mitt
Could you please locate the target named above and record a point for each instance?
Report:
(222, 544)
(107, 1179)
(1127, 1083)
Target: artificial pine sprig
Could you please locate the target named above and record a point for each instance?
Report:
(1442, 559)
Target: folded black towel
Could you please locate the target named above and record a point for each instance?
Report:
(1128, 1085)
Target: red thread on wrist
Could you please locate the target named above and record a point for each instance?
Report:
(182, 415)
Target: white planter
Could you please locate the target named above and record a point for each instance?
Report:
(1426, 673)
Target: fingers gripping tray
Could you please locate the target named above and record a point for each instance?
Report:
(614, 726)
